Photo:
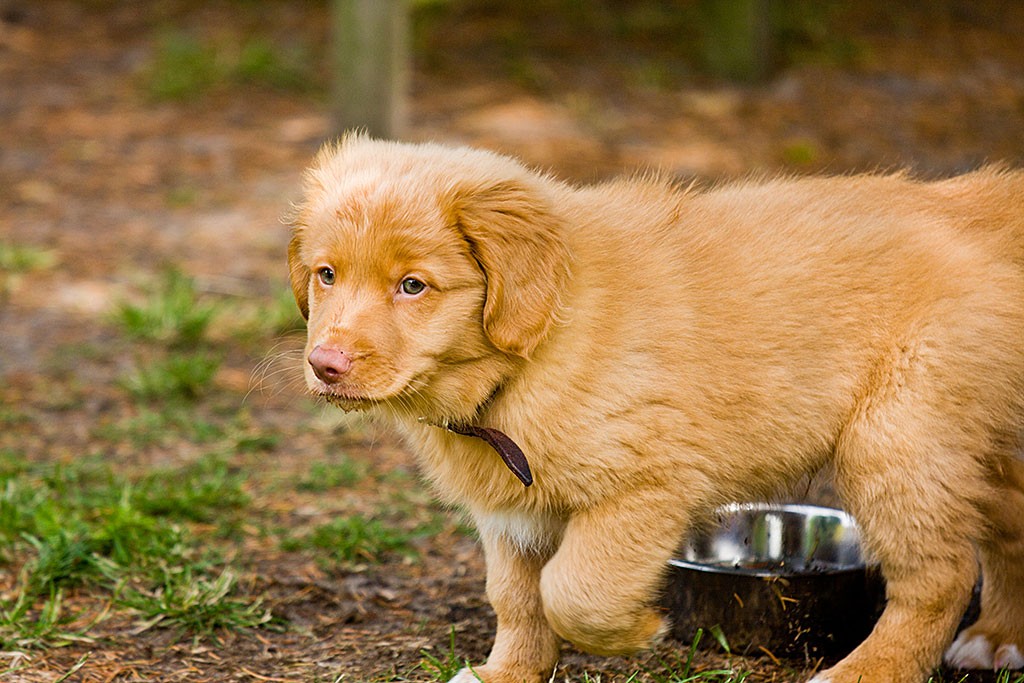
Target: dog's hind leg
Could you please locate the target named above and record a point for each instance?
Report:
(996, 640)
(909, 471)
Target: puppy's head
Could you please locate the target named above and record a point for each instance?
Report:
(425, 273)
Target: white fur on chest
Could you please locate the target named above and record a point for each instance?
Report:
(528, 532)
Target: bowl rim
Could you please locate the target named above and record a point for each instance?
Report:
(802, 508)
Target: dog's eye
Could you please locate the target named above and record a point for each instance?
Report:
(326, 276)
(412, 286)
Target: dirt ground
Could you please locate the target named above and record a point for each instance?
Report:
(117, 183)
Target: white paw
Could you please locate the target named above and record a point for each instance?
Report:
(970, 652)
(820, 678)
(976, 652)
(465, 676)
(1008, 657)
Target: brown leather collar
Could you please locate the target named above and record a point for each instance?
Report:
(511, 454)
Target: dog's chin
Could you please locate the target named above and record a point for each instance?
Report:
(347, 398)
(355, 399)
(347, 403)
(413, 398)
(400, 405)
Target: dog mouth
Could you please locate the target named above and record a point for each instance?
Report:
(347, 402)
(354, 398)
(407, 394)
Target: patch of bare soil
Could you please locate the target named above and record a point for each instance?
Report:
(116, 183)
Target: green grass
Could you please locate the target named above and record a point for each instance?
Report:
(64, 526)
(1003, 676)
(87, 536)
(257, 443)
(444, 666)
(175, 314)
(162, 426)
(16, 260)
(260, 62)
(62, 558)
(10, 416)
(282, 315)
(177, 377)
(324, 476)
(174, 362)
(202, 491)
(257, 322)
(81, 540)
(184, 66)
(27, 622)
(681, 668)
(800, 152)
(355, 540)
(199, 605)
(182, 195)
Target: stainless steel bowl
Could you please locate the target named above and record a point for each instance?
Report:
(789, 580)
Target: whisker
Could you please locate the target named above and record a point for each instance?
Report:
(275, 364)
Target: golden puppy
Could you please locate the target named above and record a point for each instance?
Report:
(657, 352)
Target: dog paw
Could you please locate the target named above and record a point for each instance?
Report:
(491, 674)
(1008, 656)
(977, 651)
(970, 652)
(465, 676)
(866, 669)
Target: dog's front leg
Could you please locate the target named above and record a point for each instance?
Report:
(600, 588)
(525, 648)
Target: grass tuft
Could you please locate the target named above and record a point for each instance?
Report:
(200, 492)
(184, 66)
(355, 540)
(444, 667)
(80, 524)
(16, 260)
(198, 604)
(178, 377)
(174, 314)
(261, 63)
(324, 476)
(63, 558)
(682, 669)
(26, 622)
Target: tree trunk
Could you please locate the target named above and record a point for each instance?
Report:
(370, 66)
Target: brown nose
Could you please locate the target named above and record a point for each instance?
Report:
(329, 364)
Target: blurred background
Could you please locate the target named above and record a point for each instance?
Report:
(171, 506)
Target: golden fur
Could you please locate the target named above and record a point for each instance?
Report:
(658, 352)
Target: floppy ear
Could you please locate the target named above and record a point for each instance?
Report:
(299, 274)
(519, 244)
